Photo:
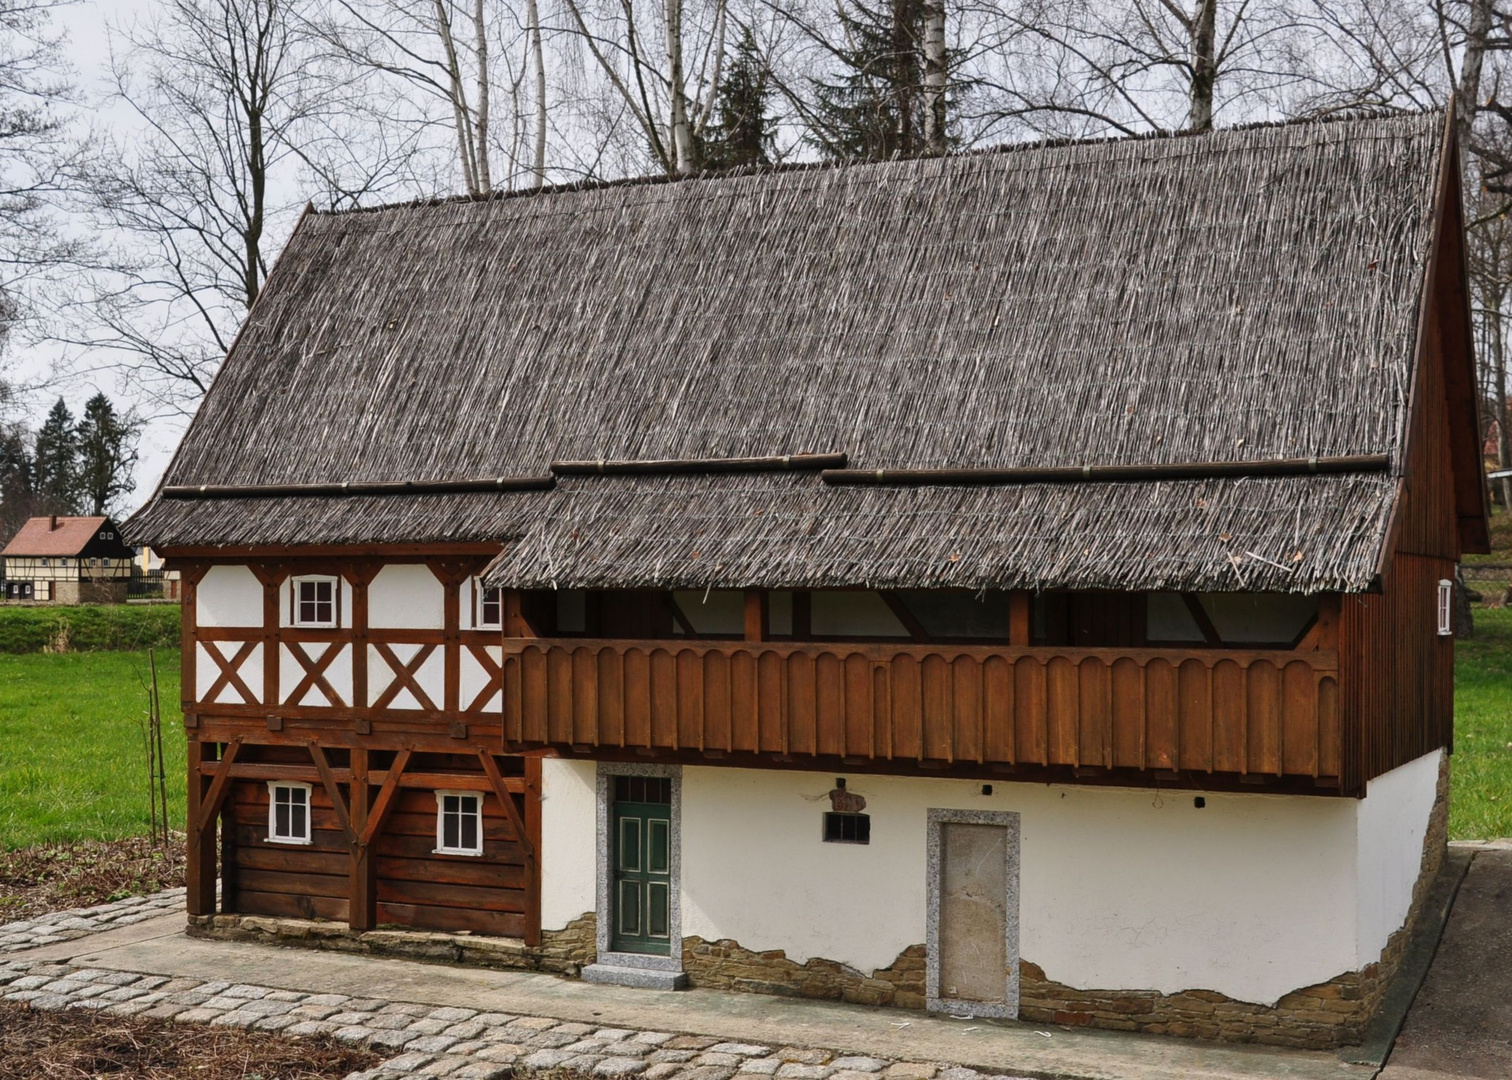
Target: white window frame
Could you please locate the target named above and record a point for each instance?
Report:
(315, 624)
(1445, 608)
(480, 591)
(441, 848)
(273, 837)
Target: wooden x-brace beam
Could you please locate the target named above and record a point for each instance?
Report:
(228, 672)
(404, 676)
(314, 673)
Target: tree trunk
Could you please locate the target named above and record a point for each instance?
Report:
(935, 76)
(480, 130)
(461, 114)
(904, 78)
(538, 61)
(1202, 30)
(686, 154)
(1499, 380)
(1467, 94)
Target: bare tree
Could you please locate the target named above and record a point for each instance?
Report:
(672, 99)
(449, 61)
(35, 156)
(237, 126)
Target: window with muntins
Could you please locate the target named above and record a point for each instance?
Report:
(316, 601)
(288, 813)
(490, 607)
(845, 828)
(459, 823)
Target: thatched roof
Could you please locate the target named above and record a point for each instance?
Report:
(1244, 294)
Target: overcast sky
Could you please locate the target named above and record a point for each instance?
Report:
(89, 49)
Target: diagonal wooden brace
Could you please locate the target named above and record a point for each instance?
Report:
(386, 798)
(323, 767)
(218, 786)
(491, 767)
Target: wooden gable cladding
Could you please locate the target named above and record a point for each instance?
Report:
(974, 709)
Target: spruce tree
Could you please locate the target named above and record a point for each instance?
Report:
(17, 493)
(55, 463)
(107, 453)
(743, 135)
(874, 109)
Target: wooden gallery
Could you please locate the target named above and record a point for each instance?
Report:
(1014, 583)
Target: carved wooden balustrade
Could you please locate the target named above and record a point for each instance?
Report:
(1269, 713)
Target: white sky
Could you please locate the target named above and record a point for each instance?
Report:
(85, 24)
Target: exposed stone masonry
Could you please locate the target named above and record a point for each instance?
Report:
(725, 965)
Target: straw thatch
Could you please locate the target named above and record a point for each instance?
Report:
(1247, 294)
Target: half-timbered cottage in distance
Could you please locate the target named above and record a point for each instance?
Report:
(67, 559)
(1011, 583)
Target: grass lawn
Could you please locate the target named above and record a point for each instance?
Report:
(73, 763)
(1480, 785)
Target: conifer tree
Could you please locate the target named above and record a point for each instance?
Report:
(55, 462)
(743, 135)
(107, 453)
(874, 109)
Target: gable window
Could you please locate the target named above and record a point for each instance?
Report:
(459, 823)
(288, 812)
(316, 601)
(490, 614)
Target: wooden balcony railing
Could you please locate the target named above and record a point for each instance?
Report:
(1266, 713)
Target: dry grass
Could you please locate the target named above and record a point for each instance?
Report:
(54, 877)
(82, 1045)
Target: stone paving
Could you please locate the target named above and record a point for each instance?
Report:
(67, 925)
(426, 1041)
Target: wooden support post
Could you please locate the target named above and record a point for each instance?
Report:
(533, 833)
(228, 862)
(362, 913)
(199, 870)
(1020, 622)
(755, 615)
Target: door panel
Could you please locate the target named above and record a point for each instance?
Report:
(642, 831)
(973, 925)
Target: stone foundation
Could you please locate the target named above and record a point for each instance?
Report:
(725, 965)
(561, 952)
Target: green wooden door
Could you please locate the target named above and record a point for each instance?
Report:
(642, 823)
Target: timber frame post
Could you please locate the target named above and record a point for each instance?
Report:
(199, 866)
(362, 907)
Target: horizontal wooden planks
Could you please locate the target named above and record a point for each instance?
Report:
(1260, 712)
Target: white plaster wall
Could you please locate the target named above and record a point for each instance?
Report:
(569, 822)
(228, 596)
(1252, 896)
(406, 595)
(1392, 822)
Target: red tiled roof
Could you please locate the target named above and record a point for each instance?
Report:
(39, 537)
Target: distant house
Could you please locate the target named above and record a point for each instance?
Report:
(1008, 584)
(67, 560)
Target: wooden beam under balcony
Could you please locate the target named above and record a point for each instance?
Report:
(1245, 713)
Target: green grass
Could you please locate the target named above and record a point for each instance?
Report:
(1480, 785)
(88, 627)
(72, 760)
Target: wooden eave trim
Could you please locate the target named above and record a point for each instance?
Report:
(397, 552)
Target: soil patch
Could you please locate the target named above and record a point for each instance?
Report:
(55, 877)
(82, 1044)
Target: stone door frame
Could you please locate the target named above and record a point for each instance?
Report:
(1009, 820)
(607, 957)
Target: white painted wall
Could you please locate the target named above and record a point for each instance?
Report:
(1252, 896)
(1392, 823)
(569, 819)
(406, 595)
(228, 596)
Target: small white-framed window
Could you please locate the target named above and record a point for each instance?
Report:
(459, 823)
(315, 601)
(488, 614)
(288, 812)
(1445, 607)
